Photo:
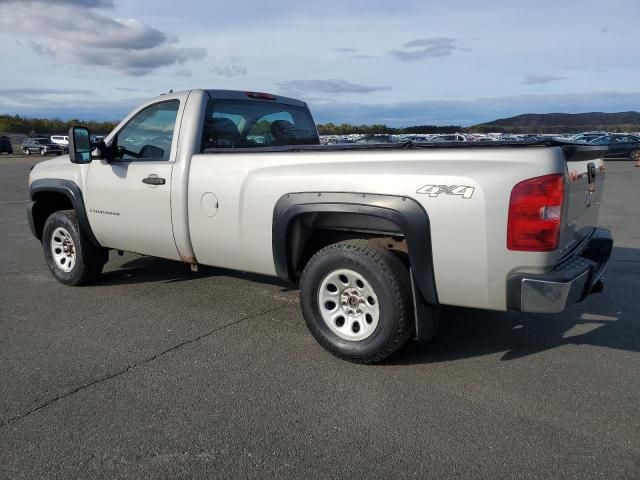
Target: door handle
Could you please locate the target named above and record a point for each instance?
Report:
(154, 180)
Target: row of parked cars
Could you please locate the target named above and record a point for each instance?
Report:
(53, 145)
(621, 145)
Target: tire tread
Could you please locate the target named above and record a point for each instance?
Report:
(399, 283)
(91, 259)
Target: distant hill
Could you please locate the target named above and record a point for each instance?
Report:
(563, 122)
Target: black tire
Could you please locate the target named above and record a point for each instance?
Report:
(27, 152)
(390, 280)
(43, 152)
(634, 154)
(89, 259)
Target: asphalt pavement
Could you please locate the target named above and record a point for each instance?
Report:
(158, 372)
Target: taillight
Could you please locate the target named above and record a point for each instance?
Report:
(535, 214)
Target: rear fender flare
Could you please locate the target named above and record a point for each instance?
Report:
(407, 214)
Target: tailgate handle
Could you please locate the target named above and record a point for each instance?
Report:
(591, 172)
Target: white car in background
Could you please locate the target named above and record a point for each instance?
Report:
(62, 140)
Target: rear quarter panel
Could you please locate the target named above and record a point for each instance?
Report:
(471, 262)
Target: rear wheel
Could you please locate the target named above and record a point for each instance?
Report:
(70, 256)
(635, 155)
(27, 151)
(43, 152)
(356, 301)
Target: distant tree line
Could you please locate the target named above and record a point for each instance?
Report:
(487, 128)
(24, 125)
(18, 124)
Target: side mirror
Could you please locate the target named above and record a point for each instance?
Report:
(79, 145)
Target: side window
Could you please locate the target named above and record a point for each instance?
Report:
(149, 134)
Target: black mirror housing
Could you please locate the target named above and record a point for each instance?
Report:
(104, 151)
(79, 145)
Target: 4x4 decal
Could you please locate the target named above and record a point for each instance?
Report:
(434, 190)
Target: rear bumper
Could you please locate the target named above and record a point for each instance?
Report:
(569, 282)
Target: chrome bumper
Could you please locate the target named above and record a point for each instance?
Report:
(569, 282)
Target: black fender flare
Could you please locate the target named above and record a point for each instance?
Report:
(406, 213)
(72, 192)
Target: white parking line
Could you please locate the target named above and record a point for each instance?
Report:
(15, 201)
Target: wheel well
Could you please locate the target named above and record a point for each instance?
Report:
(307, 221)
(310, 232)
(45, 204)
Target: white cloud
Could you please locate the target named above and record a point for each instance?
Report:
(541, 79)
(228, 67)
(427, 47)
(126, 45)
(329, 86)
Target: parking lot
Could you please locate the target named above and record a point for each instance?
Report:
(160, 372)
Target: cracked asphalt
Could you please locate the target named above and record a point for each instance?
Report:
(157, 372)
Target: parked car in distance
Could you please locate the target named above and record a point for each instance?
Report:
(378, 138)
(621, 146)
(587, 136)
(456, 137)
(5, 145)
(62, 140)
(95, 139)
(41, 145)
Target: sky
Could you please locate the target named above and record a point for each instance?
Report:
(401, 63)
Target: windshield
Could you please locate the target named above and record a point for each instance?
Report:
(251, 124)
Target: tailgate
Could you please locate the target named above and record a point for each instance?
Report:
(585, 181)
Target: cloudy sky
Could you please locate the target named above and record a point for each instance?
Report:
(375, 61)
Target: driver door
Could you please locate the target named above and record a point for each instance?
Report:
(129, 200)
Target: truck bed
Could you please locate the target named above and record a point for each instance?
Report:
(411, 146)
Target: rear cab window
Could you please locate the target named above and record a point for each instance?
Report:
(238, 123)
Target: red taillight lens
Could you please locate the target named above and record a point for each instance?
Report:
(535, 214)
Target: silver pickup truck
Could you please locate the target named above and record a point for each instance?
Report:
(378, 237)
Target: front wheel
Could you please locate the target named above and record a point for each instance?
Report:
(43, 152)
(27, 152)
(635, 155)
(356, 301)
(70, 256)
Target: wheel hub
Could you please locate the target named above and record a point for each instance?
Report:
(63, 249)
(350, 300)
(348, 305)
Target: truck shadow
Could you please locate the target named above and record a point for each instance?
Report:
(153, 269)
(610, 319)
